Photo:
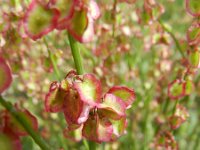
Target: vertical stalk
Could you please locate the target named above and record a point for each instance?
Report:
(51, 56)
(173, 37)
(35, 135)
(75, 49)
(76, 54)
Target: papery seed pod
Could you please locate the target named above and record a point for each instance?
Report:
(193, 7)
(176, 89)
(97, 129)
(55, 98)
(112, 107)
(15, 127)
(39, 20)
(5, 75)
(165, 140)
(9, 141)
(193, 34)
(89, 90)
(74, 135)
(194, 59)
(75, 110)
(65, 9)
(125, 94)
(179, 117)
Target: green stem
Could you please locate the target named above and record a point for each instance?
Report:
(114, 17)
(76, 54)
(35, 135)
(173, 37)
(174, 109)
(51, 56)
(75, 49)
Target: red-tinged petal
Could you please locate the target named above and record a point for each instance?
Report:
(176, 89)
(124, 93)
(74, 135)
(81, 26)
(9, 140)
(74, 109)
(5, 75)
(16, 127)
(193, 7)
(94, 9)
(105, 130)
(90, 128)
(54, 100)
(89, 90)
(112, 107)
(119, 128)
(39, 20)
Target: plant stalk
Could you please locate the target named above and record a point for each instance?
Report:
(76, 54)
(51, 56)
(173, 37)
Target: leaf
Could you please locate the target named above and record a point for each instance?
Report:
(5, 75)
(112, 107)
(89, 90)
(125, 94)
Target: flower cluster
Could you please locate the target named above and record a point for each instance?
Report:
(76, 16)
(11, 130)
(99, 118)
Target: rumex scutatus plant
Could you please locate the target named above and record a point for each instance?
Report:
(150, 46)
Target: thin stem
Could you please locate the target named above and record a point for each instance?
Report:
(35, 135)
(76, 54)
(174, 109)
(51, 56)
(75, 49)
(114, 17)
(173, 37)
